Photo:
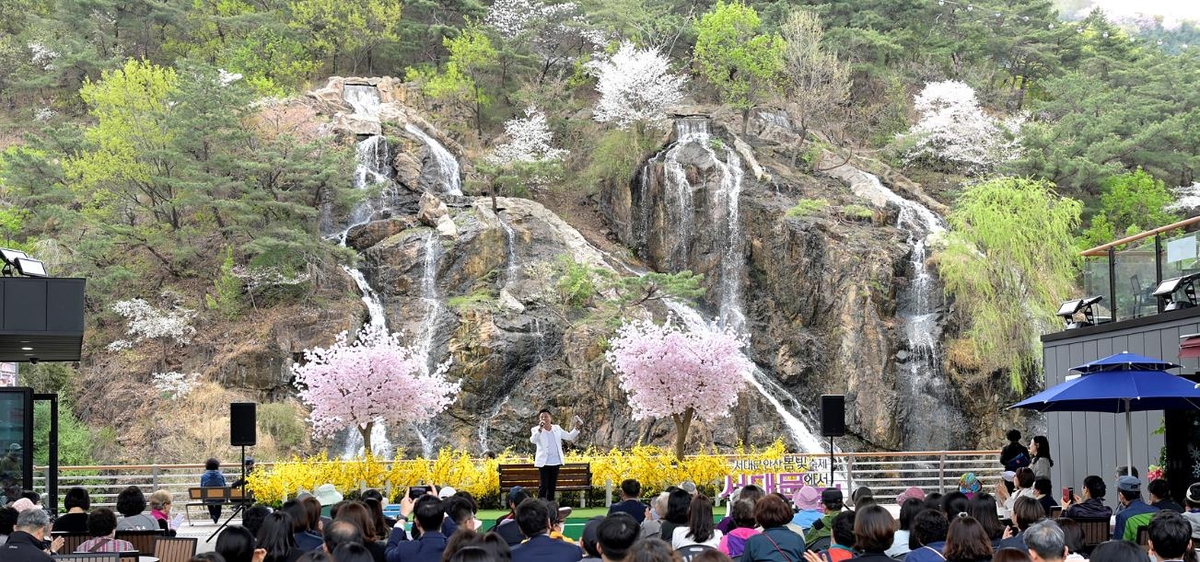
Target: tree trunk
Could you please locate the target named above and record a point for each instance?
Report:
(365, 431)
(682, 423)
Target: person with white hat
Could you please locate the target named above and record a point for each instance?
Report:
(328, 495)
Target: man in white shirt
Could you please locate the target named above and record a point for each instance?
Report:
(548, 438)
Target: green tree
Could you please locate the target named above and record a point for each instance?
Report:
(347, 28)
(736, 58)
(1008, 262)
(460, 81)
(1131, 202)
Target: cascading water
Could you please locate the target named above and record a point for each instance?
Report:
(510, 272)
(933, 419)
(681, 211)
(447, 178)
(429, 297)
(371, 169)
(692, 134)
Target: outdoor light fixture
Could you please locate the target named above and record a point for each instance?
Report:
(1167, 289)
(18, 262)
(1069, 309)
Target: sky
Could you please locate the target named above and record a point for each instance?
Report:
(1170, 9)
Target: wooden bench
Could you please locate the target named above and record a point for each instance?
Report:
(212, 495)
(576, 477)
(142, 541)
(1095, 531)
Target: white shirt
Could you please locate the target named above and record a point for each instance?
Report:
(679, 538)
(542, 455)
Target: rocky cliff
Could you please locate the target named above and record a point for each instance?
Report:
(813, 269)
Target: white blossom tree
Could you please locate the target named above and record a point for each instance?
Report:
(670, 372)
(149, 323)
(955, 133)
(376, 379)
(558, 33)
(526, 158)
(635, 86)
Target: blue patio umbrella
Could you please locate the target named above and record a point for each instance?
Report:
(1125, 382)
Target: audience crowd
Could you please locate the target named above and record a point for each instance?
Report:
(1019, 520)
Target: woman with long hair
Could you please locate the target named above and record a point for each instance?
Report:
(235, 544)
(678, 507)
(700, 529)
(983, 509)
(275, 536)
(1039, 451)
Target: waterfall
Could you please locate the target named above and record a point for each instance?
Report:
(364, 98)
(933, 418)
(448, 180)
(427, 333)
(681, 213)
(510, 272)
(371, 169)
(485, 424)
(696, 132)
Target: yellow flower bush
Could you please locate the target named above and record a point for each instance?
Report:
(654, 467)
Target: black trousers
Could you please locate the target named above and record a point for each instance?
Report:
(547, 481)
(214, 511)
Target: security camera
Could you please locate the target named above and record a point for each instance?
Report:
(33, 360)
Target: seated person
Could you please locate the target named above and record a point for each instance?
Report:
(102, 526)
(1091, 505)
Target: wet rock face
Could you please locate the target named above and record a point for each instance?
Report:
(819, 293)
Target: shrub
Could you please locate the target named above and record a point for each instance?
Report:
(807, 207)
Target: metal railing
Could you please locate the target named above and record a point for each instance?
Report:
(886, 473)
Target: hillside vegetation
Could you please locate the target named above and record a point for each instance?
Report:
(152, 146)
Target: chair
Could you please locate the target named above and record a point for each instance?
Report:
(1095, 531)
(174, 549)
(88, 557)
(1142, 296)
(1143, 536)
(71, 541)
(143, 541)
(687, 553)
(129, 557)
(1056, 512)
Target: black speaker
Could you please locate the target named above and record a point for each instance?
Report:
(833, 415)
(243, 429)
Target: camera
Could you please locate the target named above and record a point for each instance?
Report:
(416, 492)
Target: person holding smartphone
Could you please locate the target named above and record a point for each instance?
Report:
(548, 459)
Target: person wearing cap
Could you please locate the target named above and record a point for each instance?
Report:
(969, 484)
(808, 506)
(506, 526)
(1192, 512)
(548, 458)
(822, 529)
(1091, 505)
(328, 495)
(1136, 513)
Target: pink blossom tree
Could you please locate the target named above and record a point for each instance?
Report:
(682, 374)
(376, 379)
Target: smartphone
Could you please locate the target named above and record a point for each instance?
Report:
(1066, 497)
(416, 492)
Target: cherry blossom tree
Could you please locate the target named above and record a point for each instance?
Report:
(636, 86)
(668, 371)
(376, 379)
(526, 159)
(954, 130)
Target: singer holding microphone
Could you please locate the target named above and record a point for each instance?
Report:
(548, 437)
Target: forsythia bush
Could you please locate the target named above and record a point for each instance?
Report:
(655, 467)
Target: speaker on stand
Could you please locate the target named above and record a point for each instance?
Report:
(833, 422)
(243, 432)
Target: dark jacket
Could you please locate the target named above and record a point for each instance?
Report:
(1091, 508)
(1011, 451)
(925, 554)
(308, 542)
(1016, 541)
(633, 507)
(23, 547)
(873, 557)
(542, 548)
(510, 532)
(787, 546)
(71, 523)
(428, 548)
(1170, 505)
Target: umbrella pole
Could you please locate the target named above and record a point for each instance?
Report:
(1128, 439)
